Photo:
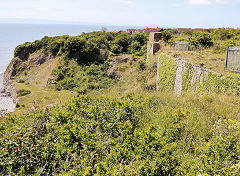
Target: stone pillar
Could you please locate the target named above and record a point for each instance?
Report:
(155, 36)
(152, 48)
(153, 45)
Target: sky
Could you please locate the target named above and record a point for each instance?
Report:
(148, 13)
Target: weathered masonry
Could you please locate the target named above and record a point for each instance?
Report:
(181, 46)
(177, 75)
(154, 44)
(233, 59)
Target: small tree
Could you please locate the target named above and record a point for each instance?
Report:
(201, 39)
(166, 35)
(104, 29)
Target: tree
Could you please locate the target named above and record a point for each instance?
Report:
(104, 29)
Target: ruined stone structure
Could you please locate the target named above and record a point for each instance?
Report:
(155, 36)
(197, 75)
(154, 44)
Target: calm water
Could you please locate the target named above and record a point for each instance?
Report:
(11, 35)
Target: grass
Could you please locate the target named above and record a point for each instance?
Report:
(41, 97)
(132, 80)
(204, 108)
(207, 58)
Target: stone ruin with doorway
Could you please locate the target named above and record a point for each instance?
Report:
(154, 44)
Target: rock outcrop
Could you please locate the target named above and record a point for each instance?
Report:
(7, 102)
(17, 67)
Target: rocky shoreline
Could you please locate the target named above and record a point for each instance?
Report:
(8, 95)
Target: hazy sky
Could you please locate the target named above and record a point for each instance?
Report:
(164, 13)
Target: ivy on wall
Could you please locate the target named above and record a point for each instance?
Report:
(167, 72)
(195, 78)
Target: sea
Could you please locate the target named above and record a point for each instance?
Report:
(12, 35)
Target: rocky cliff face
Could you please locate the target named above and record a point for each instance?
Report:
(7, 103)
(8, 86)
(22, 66)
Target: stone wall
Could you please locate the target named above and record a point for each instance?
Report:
(196, 76)
(155, 36)
(178, 75)
(152, 49)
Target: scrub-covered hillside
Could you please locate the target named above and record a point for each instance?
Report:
(88, 105)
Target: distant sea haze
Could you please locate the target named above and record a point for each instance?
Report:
(12, 35)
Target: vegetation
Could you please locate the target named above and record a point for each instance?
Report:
(218, 39)
(130, 135)
(40, 97)
(23, 92)
(207, 47)
(71, 76)
(123, 126)
(87, 48)
(201, 39)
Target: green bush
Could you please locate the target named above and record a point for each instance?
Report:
(21, 81)
(23, 51)
(86, 49)
(129, 135)
(123, 42)
(220, 155)
(201, 39)
(222, 34)
(141, 65)
(166, 36)
(86, 137)
(23, 92)
(71, 76)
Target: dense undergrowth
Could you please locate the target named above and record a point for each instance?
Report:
(129, 135)
(85, 58)
(207, 47)
(218, 39)
(86, 48)
(81, 78)
(111, 132)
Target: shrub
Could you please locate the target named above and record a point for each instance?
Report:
(122, 41)
(21, 81)
(23, 92)
(71, 76)
(86, 48)
(173, 31)
(141, 65)
(88, 136)
(23, 51)
(220, 155)
(222, 34)
(166, 36)
(201, 39)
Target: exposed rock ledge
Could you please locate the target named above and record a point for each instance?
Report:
(8, 87)
(8, 92)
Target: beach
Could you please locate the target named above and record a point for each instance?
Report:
(6, 102)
